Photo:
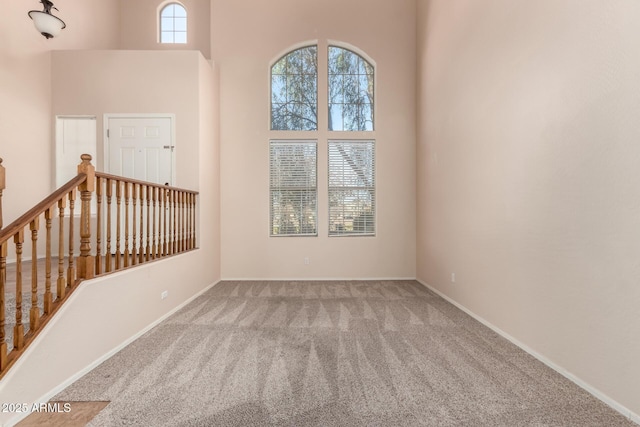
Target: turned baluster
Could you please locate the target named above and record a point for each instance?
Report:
(187, 209)
(185, 218)
(141, 251)
(48, 297)
(71, 270)
(165, 209)
(99, 226)
(148, 248)
(3, 281)
(18, 329)
(185, 222)
(179, 223)
(192, 216)
(195, 199)
(175, 211)
(86, 261)
(187, 198)
(126, 225)
(134, 253)
(154, 249)
(62, 283)
(34, 313)
(127, 194)
(107, 266)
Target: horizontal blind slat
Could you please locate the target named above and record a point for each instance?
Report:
(293, 192)
(351, 187)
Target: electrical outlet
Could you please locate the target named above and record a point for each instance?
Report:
(453, 277)
(164, 294)
(306, 260)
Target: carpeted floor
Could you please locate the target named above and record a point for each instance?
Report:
(330, 354)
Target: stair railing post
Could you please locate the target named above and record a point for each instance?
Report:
(86, 262)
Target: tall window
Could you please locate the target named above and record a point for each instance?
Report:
(173, 24)
(351, 163)
(351, 86)
(352, 198)
(294, 90)
(293, 188)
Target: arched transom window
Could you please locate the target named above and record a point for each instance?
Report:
(173, 24)
(350, 91)
(294, 90)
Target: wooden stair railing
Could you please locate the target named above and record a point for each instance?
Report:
(147, 222)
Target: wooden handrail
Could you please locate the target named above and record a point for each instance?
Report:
(150, 184)
(24, 220)
(150, 221)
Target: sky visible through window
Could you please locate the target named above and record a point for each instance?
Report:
(173, 24)
(294, 91)
(350, 91)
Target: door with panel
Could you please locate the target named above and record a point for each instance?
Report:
(140, 148)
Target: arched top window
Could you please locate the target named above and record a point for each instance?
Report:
(294, 90)
(351, 86)
(173, 24)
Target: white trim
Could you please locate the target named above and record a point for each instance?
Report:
(352, 48)
(313, 279)
(105, 138)
(284, 52)
(47, 396)
(623, 410)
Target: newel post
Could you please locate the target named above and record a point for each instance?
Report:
(85, 262)
(2, 187)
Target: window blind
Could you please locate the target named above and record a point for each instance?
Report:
(293, 188)
(352, 198)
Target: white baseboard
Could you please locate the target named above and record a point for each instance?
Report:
(313, 279)
(47, 396)
(632, 416)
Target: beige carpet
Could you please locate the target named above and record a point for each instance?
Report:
(330, 354)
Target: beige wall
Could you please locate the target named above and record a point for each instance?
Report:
(528, 177)
(99, 318)
(35, 85)
(133, 82)
(247, 36)
(209, 166)
(139, 25)
(108, 312)
(26, 121)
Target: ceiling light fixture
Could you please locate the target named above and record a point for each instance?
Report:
(45, 22)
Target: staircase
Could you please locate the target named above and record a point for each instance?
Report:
(122, 223)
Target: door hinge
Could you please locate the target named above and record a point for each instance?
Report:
(108, 133)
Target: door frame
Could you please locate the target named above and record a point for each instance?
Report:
(105, 136)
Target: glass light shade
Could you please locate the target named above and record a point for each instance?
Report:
(48, 25)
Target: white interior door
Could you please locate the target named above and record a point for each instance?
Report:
(141, 148)
(75, 135)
